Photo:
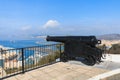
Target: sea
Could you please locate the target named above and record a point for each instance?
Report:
(23, 43)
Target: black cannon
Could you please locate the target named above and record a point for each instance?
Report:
(79, 46)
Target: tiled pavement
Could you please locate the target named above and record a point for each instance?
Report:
(60, 71)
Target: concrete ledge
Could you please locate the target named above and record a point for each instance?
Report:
(111, 75)
(60, 71)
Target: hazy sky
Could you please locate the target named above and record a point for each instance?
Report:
(22, 19)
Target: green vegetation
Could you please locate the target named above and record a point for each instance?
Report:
(115, 49)
(49, 58)
(11, 70)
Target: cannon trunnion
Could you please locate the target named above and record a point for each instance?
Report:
(79, 46)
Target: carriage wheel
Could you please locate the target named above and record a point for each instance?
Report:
(90, 60)
(63, 57)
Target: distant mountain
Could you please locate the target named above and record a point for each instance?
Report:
(109, 37)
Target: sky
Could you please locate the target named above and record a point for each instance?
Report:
(24, 19)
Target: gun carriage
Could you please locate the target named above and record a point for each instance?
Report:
(79, 46)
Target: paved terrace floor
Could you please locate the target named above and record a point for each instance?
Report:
(60, 71)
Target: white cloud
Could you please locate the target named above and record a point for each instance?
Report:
(25, 28)
(51, 24)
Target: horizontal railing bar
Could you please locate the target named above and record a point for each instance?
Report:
(31, 47)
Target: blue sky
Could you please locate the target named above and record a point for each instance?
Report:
(22, 19)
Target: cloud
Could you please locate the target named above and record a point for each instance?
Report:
(25, 28)
(51, 24)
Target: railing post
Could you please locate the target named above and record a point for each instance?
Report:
(23, 71)
(60, 52)
(1, 53)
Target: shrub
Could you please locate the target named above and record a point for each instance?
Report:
(115, 49)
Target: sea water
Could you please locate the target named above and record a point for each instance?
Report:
(18, 43)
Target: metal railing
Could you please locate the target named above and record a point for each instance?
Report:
(20, 60)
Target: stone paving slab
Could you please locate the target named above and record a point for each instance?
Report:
(60, 71)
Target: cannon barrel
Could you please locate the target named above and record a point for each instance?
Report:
(57, 38)
(85, 39)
